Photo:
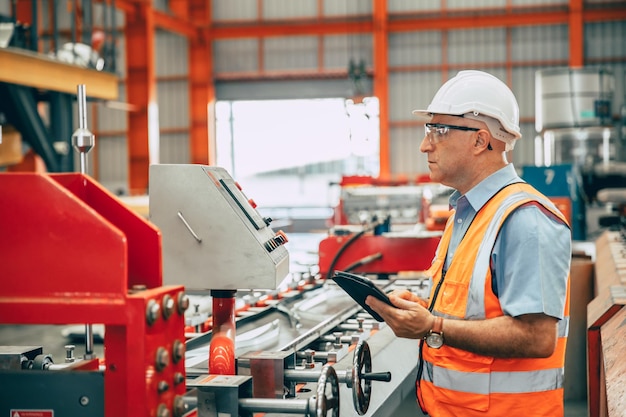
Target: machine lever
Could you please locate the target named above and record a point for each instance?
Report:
(376, 376)
(198, 238)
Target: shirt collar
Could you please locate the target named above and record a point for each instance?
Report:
(487, 188)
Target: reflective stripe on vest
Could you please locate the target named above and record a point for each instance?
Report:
(498, 382)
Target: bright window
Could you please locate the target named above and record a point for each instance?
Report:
(287, 153)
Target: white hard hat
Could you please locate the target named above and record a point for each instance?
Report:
(480, 96)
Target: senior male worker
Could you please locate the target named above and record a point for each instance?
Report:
(493, 332)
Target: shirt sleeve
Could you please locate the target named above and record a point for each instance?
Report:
(531, 260)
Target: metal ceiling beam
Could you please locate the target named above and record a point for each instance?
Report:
(414, 22)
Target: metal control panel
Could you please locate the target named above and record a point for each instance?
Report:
(213, 237)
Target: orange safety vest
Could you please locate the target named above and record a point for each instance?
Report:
(456, 382)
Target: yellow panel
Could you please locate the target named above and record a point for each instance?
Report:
(23, 67)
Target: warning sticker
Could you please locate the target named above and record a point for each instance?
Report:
(32, 413)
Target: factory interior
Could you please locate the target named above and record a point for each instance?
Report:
(180, 181)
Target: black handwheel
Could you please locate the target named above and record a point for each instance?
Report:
(361, 388)
(323, 403)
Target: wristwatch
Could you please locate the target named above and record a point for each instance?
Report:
(434, 338)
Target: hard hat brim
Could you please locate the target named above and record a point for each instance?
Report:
(423, 115)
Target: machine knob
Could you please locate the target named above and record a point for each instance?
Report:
(376, 376)
(337, 344)
(309, 363)
(360, 321)
(69, 353)
(278, 239)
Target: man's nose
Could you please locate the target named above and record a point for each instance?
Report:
(425, 145)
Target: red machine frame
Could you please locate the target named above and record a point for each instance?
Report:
(73, 253)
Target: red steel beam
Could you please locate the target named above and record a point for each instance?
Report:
(143, 124)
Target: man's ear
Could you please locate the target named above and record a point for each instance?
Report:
(483, 140)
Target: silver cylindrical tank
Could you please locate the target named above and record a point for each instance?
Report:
(573, 97)
(574, 119)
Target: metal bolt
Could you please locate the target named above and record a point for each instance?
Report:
(168, 306)
(178, 351)
(180, 407)
(84, 401)
(178, 378)
(162, 387)
(137, 288)
(162, 359)
(162, 411)
(183, 303)
(152, 311)
(69, 353)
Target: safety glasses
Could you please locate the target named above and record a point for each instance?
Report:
(436, 132)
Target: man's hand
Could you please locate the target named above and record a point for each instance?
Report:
(409, 319)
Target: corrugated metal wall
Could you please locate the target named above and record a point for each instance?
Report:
(251, 68)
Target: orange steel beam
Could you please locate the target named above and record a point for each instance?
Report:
(175, 24)
(402, 24)
(381, 82)
(143, 124)
(576, 28)
(201, 86)
(180, 8)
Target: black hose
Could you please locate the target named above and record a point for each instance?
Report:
(346, 245)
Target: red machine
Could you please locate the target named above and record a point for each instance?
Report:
(362, 239)
(72, 253)
(377, 254)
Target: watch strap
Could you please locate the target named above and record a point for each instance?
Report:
(437, 325)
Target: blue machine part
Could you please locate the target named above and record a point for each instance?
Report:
(563, 181)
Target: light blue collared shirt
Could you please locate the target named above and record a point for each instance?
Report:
(531, 256)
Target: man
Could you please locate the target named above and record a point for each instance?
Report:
(493, 333)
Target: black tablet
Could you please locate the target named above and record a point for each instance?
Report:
(359, 287)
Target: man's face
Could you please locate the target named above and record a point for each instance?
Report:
(449, 149)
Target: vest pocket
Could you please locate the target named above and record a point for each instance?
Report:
(453, 298)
